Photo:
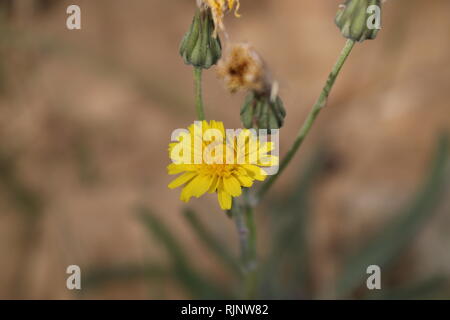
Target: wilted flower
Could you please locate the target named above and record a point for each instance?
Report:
(222, 165)
(218, 9)
(243, 69)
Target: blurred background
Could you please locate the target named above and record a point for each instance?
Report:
(85, 121)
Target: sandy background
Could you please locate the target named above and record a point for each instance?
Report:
(86, 117)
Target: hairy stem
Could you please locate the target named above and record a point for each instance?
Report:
(198, 93)
(251, 276)
(245, 225)
(307, 125)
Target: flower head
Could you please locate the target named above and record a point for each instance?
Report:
(243, 69)
(218, 9)
(209, 160)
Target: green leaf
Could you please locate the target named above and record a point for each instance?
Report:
(431, 288)
(99, 276)
(397, 234)
(26, 200)
(211, 243)
(290, 218)
(196, 285)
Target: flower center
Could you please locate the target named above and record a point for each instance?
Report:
(221, 170)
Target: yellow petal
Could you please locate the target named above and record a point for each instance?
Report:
(174, 168)
(171, 146)
(184, 178)
(197, 186)
(245, 181)
(221, 127)
(202, 185)
(232, 186)
(224, 200)
(268, 161)
(231, 4)
(255, 172)
(266, 147)
(214, 184)
(185, 195)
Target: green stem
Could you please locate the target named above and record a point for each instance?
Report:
(198, 93)
(245, 225)
(307, 125)
(251, 276)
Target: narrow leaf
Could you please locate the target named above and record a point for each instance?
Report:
(199, 287)
(387, 244)
(210, 242)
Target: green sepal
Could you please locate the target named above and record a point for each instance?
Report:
(199, 47)
(352, 19)
(260, 112)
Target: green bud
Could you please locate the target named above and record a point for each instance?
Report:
(260, 112)
(359, 20)
(200, 47)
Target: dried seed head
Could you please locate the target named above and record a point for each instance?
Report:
(243, 69)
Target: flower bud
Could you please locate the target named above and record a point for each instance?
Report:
(200, 47)
(355, 19)
(261, 112)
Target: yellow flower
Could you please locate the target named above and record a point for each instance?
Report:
(209, 160)
(218, 9)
